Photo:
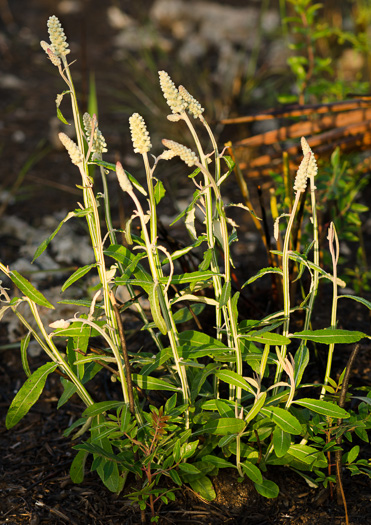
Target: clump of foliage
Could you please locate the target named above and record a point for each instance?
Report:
(240, 389)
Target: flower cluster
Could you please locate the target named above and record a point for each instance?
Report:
(59, 45)
(72, 149)
(193, 106)
(139, 134)
(312, 168)
(186, 154)
(171, 93)
(307, 168)
(99, 145)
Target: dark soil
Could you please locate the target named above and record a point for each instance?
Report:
(35, 486)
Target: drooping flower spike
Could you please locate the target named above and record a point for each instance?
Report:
(187, 155)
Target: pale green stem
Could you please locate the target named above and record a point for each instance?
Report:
(332, 236)
(164, 303)
(94, 223)
(286, 283)
(309, 310)
(113, 239)
(152, 201)
(209, 224)
(231, 321)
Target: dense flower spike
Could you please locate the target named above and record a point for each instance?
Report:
(302, 173)
(193, 106)
(139, 134)
(312, 168)
(123, 179)
(171, 93)
(57, 37)
(99, 144)
(56, 61)
(186, 154)
(72, 149)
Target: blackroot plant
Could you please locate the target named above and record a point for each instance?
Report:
(238, 386)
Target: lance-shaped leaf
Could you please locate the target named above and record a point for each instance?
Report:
(222, 426)
(330, 336)
(324, 408)
(261, 273)
(47, 241)
(283, 419)
(80, 272)
(29, 290)
(232, 378)
(153, 383)
(28, 394)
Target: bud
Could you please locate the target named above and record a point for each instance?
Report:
(56, 61)
(171, 93)
(72, 149)
(123, 179)
(186, 154)
(139, 134)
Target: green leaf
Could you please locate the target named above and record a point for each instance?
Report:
(175, 477)
(159, 191)
(188, 468)
(283, 419)
(156, 309)
(358, 299)
(308, 455)
(225, 294)
(28, 394)
(188, 449)
(29, 290)
(223, 426)
(191, 277)
(78, 466)
(353, 454)
(61, 117)
(258, 404)
(203, 487)
(261, 273)
(47, 241)
(24, 345)
(252, 472)
(103, 406)
(281, 441)
(268, 489)
(184, 315)
(324, 408)
(266, 338)
(330, 336)
(300, 363)
(152, 383)
(80, 272)
(232, 378)
(224, 408)
(218, 462)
